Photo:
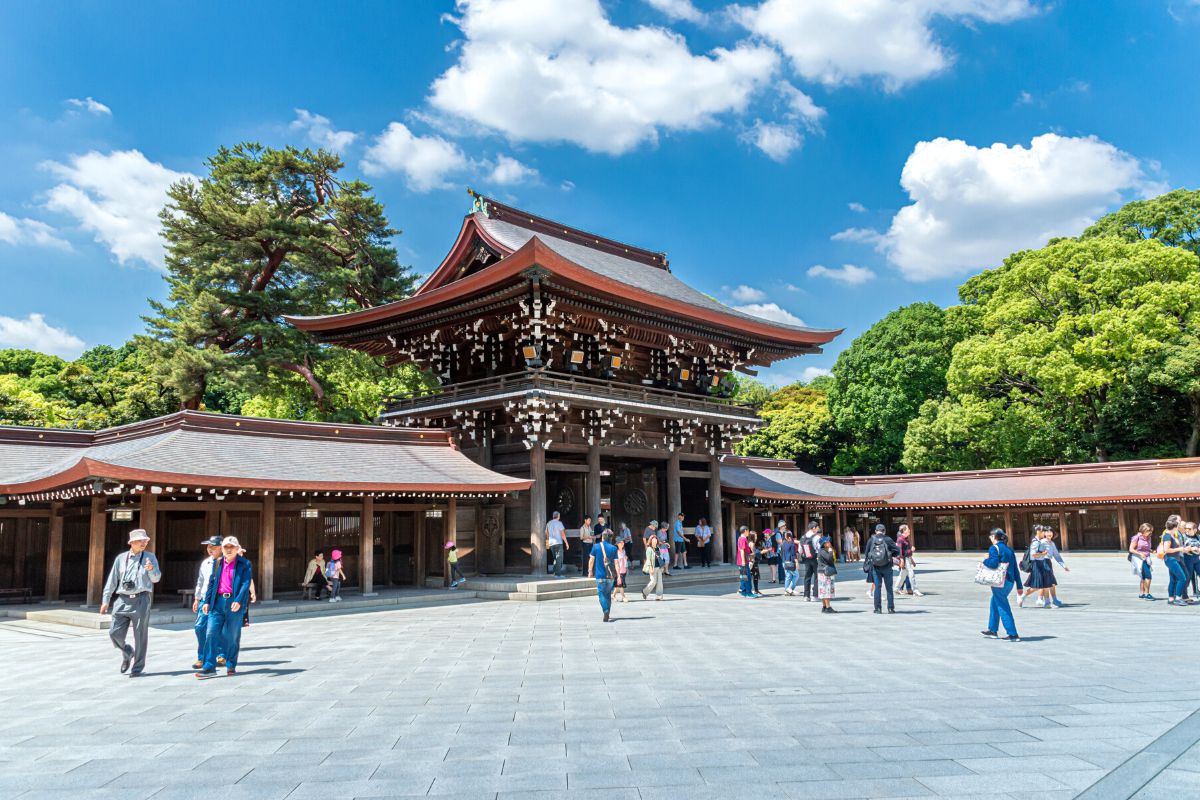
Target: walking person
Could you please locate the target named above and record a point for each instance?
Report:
(827, 575)
(1191, 561)
(755, 559)
(213, 547)
(225, 603)
(849, 545)
(314, 574)
(587, 537)
(781, 530)
(769, 554)
(456, 575)
(880, 553)
(1172, 550)
(556, 543)
(130, 589)
(602, 568)
(333, 571)
(679, 541)
(1000, 555)
(626, 536)
(1041, 576)
(742, 559)
(622, 567)
(906, 563)
(789, 556)
(1140, 548)
(664, 548)
(1048, 537)
(703, 534)
(810, 544)
(653, 566)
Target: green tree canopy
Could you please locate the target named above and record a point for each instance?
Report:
(881, 380)
(1172, 218)
(267, 233)
(796, 426)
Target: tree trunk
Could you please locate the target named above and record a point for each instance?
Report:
(1194, 442)
(304, 372)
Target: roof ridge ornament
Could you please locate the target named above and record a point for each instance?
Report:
(480, 205)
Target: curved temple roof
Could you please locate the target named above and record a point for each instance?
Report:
(625, 272)
(770, 479)
(211, 450)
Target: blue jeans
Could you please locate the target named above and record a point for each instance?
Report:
(882, 578)
(999, 611)
(1191, 567)
(604, 590)
(224, 633)
(201, 628)
(745, 584)
(556, 559)
(791, 577)
(1178, 576)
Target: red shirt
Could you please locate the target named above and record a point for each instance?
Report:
(225, 584)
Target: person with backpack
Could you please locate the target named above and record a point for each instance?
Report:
(333, 571)
(999, 611)
(769, 554)
(809, 547)
(880, 552)
(742, 559)
(601, 566)
(827, 564)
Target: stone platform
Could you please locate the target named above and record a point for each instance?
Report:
(526, 588)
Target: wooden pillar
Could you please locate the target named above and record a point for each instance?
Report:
(908, 518)
(958, 539)
(1062, 527)
(20, 546)
(537, 510)
(266, 549)
(1008, 528)
(212, 521)
(1122, 531)
(674, 491)
(148, 521)
(96, 575)
(593, 482)
(452, 531)
(366, 546)
(54, 552)
(485, 449)
(714, 508)
(420, 546)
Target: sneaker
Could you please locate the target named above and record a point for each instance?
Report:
(1148, 596)
(230, 671)
(990, 634)
(333, 599)
(1013, 638)
(1021, 599)
(624, 599)
(832, 610)
(919, 594)
(878, 611)
(1057, 603)
(206, 673)
(1040, 603)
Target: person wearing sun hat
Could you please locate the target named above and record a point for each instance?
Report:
(130, 587)
(213, 544)
(333, 571)
(225, 603)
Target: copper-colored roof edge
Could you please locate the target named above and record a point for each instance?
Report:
(1014, 472)
(227, 423)
(805, 497)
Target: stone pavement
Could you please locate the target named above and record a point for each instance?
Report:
(705, 695)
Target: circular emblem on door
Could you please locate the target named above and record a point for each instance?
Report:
(635, 502)
(565, 500)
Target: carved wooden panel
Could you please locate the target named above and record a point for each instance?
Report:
(490, 537)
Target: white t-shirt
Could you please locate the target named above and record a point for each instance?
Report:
(554, 532)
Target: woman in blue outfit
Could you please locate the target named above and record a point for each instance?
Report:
(1000, 611)
(1172, 550)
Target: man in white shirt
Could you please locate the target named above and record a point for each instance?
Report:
(556, 541)
(202, 578)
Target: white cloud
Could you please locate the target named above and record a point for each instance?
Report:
(677, 10)
(321, 132)
(89, 105)
(775, 140)
(545, 70)
(25, 231)
(801, 106)
(425, 161)
(117, 197)
(810, 373)
(847, 273)
(868, 235)
(745, 294)
(33, 333)
(508, 171)
(841, 41)
(567, 186)
(857, 208)
(771, 311)
(973, 206)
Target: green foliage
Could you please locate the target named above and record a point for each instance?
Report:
(749, 392)
(1172, 218)
(797, 426)
(881, 380)
(266, 234)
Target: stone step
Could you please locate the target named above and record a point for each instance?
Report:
(514, 587)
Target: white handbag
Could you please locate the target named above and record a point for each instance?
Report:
(994, 578)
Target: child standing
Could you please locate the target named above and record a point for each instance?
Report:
(456, 576)
(664, 548)
(333, 571)
(622, 568)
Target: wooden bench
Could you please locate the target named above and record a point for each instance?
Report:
(23, 594)
(186, 597)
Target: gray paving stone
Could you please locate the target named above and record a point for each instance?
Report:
(1000, 783)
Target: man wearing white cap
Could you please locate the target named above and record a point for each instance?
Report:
(225, 604)
(130, 587)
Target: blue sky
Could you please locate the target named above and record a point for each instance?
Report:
(826, 160)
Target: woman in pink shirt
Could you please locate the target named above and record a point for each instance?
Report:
(1140, 547)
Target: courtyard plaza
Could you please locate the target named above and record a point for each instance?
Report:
(703, 695)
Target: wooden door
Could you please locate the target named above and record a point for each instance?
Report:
(490, 540)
